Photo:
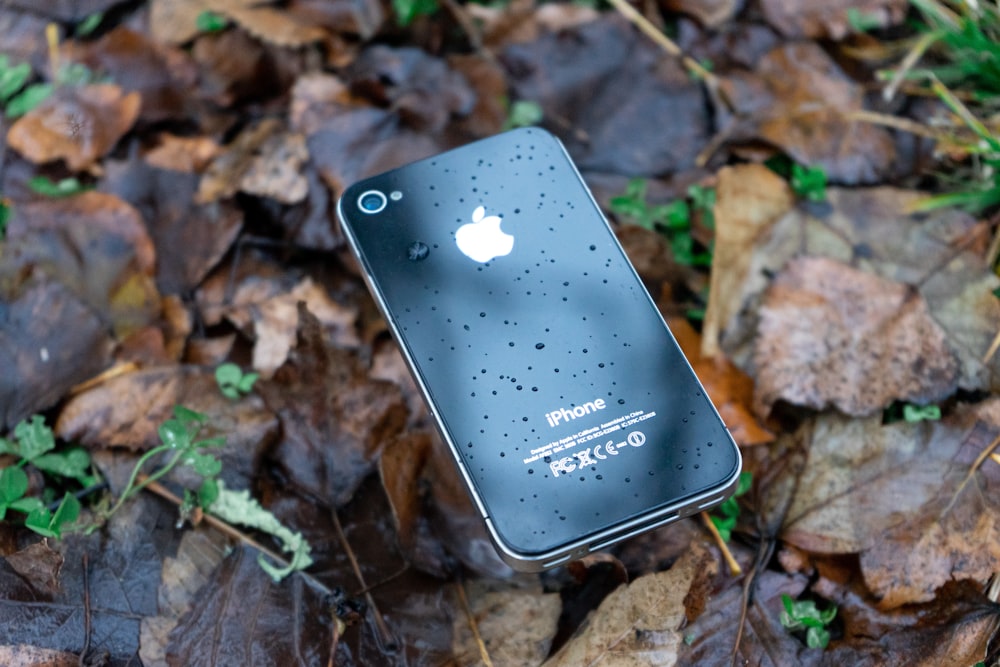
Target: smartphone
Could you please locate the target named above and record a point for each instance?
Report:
(571, 412)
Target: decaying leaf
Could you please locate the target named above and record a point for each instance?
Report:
(830, 334)
(639, 624)
(264, 160)
(516, 624)
(22, 654)
(242, 617)
(830, 20)
(334, 418)
(904, 495)
(730, 389)
(749, 199)
(39, 565)
(711, 14)
(185, 154)
(77, 124)
(799, 100)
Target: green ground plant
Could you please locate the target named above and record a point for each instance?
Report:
(800, 615)
(233, 382)
(725, 515)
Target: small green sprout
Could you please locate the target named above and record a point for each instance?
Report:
(808, 182)
(233, 382)
(407, 11)
(725, 515)
(803, 614)
(89, 24)
(5, 210)
(209, 21)
(522, 114)
(919, 413)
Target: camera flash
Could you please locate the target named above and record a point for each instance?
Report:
(395, 195)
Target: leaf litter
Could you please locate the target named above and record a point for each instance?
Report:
(200, 230)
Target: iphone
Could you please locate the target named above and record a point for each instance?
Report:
(572, 414)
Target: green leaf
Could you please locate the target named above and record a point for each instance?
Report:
(40, 521)
(247, 382)
(34, 438)
(204, 464)
(75, 74)
(239, 507)
(63, 188)
(817, 637)
(746, 481)
(916, 413)
(74, 463)
(89, 24)
(228, 374)
(809, 182)
(408, 10)
(174, 434)
(28, 99)
(12, 79)
(5, 211)
(67, 512)
(27, 505)
(209, 21)
(861, 21)
(208, 492)
(523, 113)
(724, 525)
(189, 415)
(13, 484)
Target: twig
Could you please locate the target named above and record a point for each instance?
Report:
(82, 661)
(734, 567)
(896, 123)
(104, 376)
(983, 455)
(993, 349)
(914, 54)
(670, 46)
(483, 653)
(385, 636)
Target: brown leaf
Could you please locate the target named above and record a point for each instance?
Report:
(903, 495)
(639, 624)
(516, 624)
(242, 617)
(749, 199)
(185, 154)
(830, 334)
(711, 14)
(264, 160)
(278, 27)
(616, 104)
(190, 238)
(176, 21)
(77, 124)
(39, 565)
(829, 20)
(355, 17)
(235, 68)
(22, 655)
(334, 419)
(799, 100)
(730, 389)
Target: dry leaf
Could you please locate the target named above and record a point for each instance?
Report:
(516, 624)
(186, 154)
(278, 27)
(830, 334)
(639, 624)
(264, 160)
(176, 21)
(749, 199)
(902, 495)
(78, 124)
(830, 19)
(799, 100)
(39, 565)
(711, 13)
(730, 389)
(21, 655)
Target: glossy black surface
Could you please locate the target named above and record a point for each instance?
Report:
(560, 322)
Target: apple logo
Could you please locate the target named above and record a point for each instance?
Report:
(482, 239)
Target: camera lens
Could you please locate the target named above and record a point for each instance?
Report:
(372, 201)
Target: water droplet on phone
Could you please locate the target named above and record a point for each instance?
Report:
(621, 401)
(539, 346)
(680, 466)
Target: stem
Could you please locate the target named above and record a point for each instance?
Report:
(129, 488)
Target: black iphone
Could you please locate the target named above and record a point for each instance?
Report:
(572, 414)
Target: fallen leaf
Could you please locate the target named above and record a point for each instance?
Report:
(639, 624)
(830, 334)
(264, 160)
(77, 124)
(334, 418)
(730, 389)
(902, 495)
(749, 199)
(615, 104)
(515, 623)
(176, 21)
(797, 99)
(713, 14)
(39, 565)
(23, 655)
(163, 76)
(278, 27)
(185, 154)
(830, 20)
(127, 411)
(190, 238)
(353, 17)
(235, 68)
(242, 617)
(66, 11)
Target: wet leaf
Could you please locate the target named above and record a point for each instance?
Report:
(334, 418)
(185, 154)
(749, 200)
(799, 100)
(243, 617)
(614, 104)
(639, 624)
(878, 344)
(77, 124)
(39, 565)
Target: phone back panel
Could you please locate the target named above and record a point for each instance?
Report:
(559, 387)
